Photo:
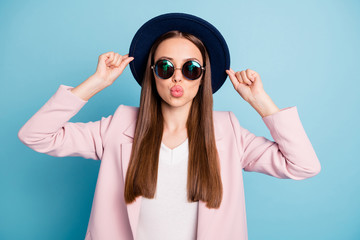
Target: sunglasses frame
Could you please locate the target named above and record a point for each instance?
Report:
(182, 68)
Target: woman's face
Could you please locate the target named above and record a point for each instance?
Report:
(178, 51)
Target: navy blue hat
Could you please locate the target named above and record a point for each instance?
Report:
(213, 40)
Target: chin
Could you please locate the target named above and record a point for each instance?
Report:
(177, 102)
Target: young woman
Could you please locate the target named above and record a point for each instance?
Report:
(172, 168)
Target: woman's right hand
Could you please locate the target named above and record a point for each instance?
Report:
(110, 66)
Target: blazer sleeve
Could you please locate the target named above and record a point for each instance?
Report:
(48, 130)
(290, 155)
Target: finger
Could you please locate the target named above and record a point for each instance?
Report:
(245, 79)
(110, 56)
(118, 61)
(232, 71)
(251, 75)
(107, 55)
(230, 74)
(115, 58)
(238, 76)
(125, 62)
(122, 58)
(104, 56)
(234, 80)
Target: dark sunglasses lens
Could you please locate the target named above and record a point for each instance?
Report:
(192, 70)
(164, 69)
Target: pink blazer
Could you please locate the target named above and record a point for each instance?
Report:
(290, 155)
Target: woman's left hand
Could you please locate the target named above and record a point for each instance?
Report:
(247, 83)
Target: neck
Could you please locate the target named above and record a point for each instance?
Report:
(175, 118)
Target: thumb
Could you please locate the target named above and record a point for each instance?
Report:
(125, 62)
(233, 79)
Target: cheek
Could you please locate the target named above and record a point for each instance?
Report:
(161, 87)
(194, 88)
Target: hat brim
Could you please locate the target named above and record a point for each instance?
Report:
(213, 40)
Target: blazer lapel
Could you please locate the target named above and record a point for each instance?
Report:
(205, 215)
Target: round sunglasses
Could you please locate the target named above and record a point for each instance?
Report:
(165, 69)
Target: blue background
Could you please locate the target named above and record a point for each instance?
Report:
(306, 52)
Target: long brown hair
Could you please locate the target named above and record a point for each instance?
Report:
(203, 179)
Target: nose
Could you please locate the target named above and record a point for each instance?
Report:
(177, 75)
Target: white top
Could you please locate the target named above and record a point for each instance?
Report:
(169, 215)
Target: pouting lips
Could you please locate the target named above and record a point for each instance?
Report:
(177, 91)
